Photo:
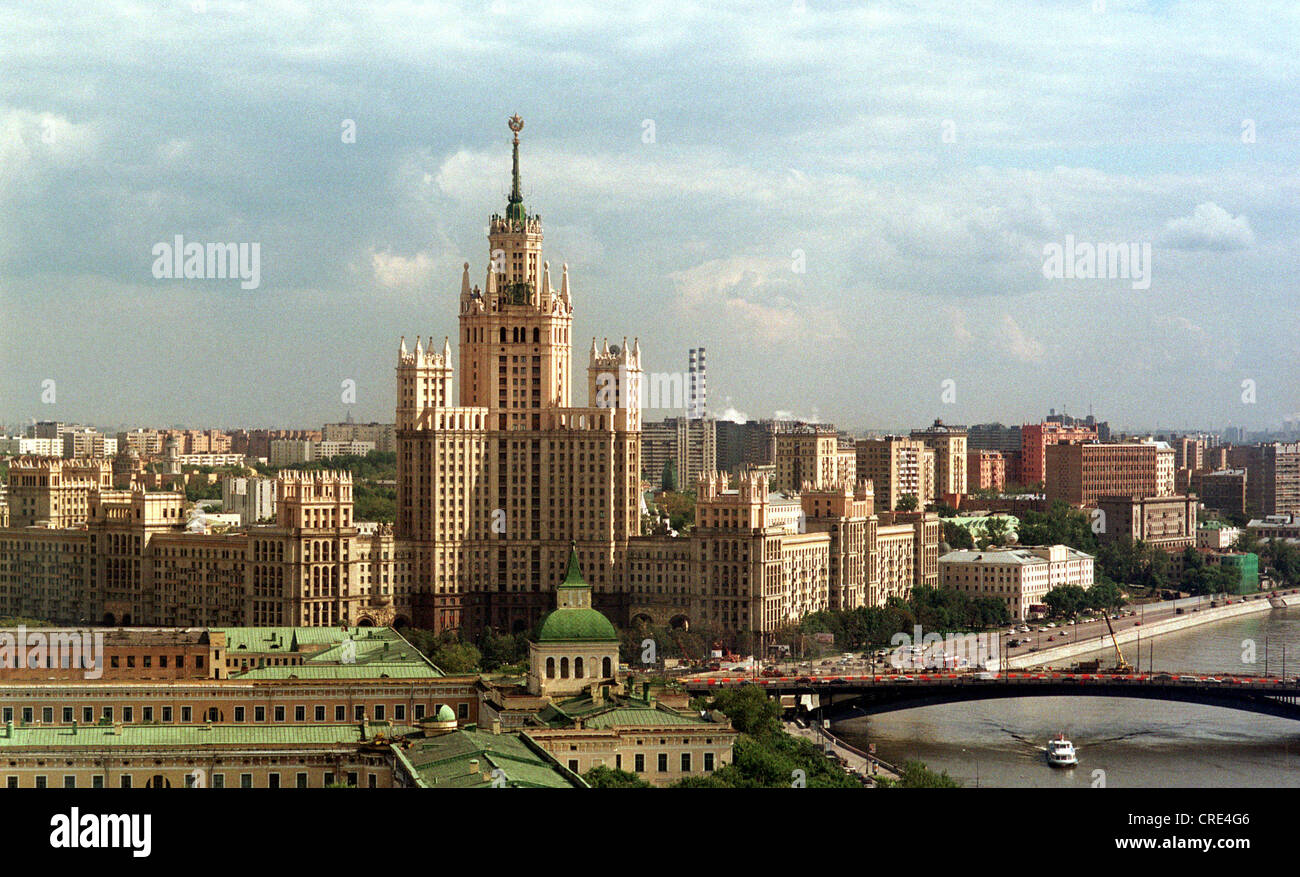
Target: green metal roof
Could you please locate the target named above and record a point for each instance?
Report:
(370, 670)
(576, 625)
(444, 761)
(328, 653)
(573, 578)
(192, 735)
(640, 717)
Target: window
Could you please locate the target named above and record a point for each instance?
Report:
(279, 714)
(399, 712)
(218, 781)
(128, 714)
(379, 712)
(573, 765)
(97, 781)
(67, 715)
(419, 711)
(462, 710)
(686, 762)
(708, 761)
(88, 715)
(246, 781)
(639, 763)
(360, 712)
(372, 781)
(108, 714)
(340, 713)
(125, 781)
(40, 782)
(320, 713)
(273, 780)
(329, 777)
(187, 714)
(259, 714)
(663, 762)
(300, 714)
(47, 715)
(239, 714)
(69, 781)
(148, 713)
(352, 778)
(167, 714)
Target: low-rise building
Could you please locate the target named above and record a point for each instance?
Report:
(1019, 577)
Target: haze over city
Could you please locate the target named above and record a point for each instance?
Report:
(843, 238)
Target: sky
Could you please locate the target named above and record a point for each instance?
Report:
(850, 205)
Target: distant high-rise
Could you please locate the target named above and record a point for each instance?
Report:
(697, 406)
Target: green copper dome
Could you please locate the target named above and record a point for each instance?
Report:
(574, 620)
(576, 625)
(444, 714)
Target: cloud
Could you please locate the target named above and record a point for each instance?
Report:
(759, 297)
(395, 271)
(1209, 227)
(1016, 343)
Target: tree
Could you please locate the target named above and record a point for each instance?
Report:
(906, 503)
(1061, 524)
(602, 777)
(916, 775)
(456, 658)
(957, 536)
(1066, 601)
(997, 531)
(750, 709)
(1104, 595)
(668, 482)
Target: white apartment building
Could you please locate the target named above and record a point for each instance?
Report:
(1020, 577)
(252, 499)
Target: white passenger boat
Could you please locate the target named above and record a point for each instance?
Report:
(1060, 752)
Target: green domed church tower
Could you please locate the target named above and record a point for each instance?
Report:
(576, 646)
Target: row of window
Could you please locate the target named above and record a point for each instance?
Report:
(196, 779)
(215, 714)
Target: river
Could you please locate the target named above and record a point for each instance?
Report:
(1122, 742)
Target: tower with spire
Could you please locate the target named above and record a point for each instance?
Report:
(492, 489)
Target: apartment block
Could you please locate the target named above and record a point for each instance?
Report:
(1272, 477)
(1036, 438)
(985, 470)
(949, 446)
(1167, 522)
(896, 467)
(1081, 472)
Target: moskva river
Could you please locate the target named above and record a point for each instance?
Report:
(1121, 742)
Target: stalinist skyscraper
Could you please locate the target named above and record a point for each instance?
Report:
(492, 492)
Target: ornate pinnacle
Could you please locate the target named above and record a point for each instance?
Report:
(516, 210)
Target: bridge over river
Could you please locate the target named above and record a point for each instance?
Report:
(1270, 695)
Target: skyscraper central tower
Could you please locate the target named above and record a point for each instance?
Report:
(492, 491)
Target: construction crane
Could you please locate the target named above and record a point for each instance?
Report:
(1121, 665)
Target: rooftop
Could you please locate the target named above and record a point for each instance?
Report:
(294, 736)
(468, 758)
(328, 653)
